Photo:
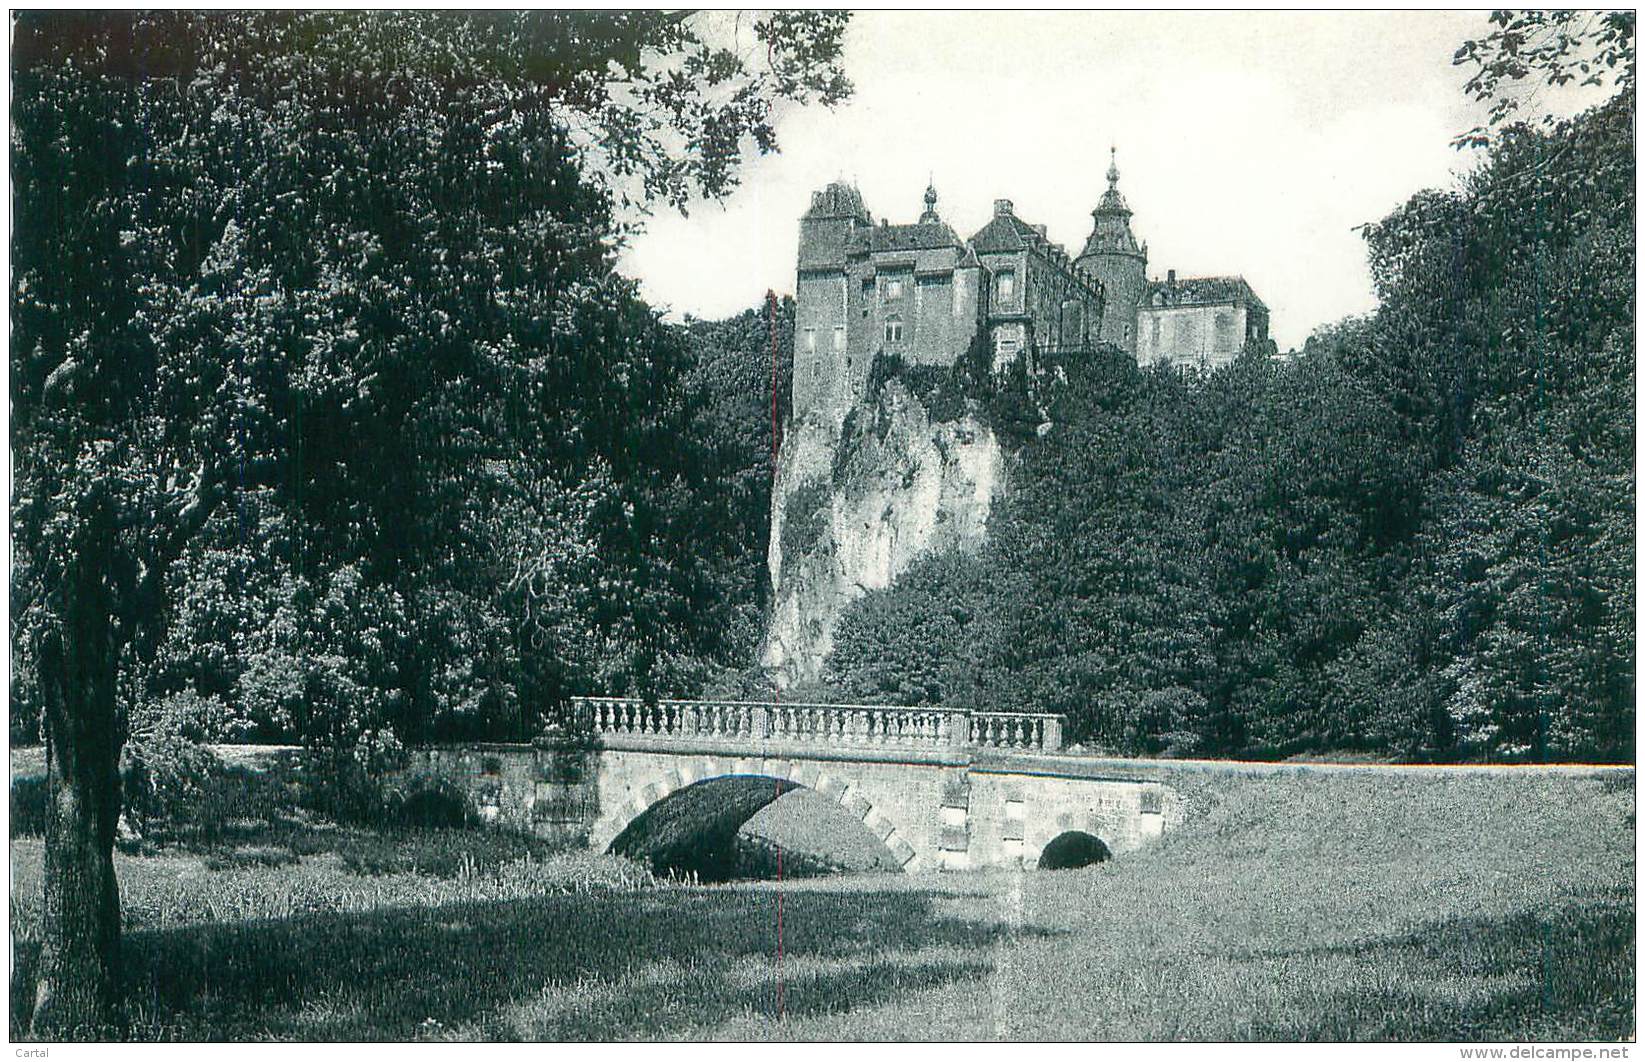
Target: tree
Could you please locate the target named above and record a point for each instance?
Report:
(1529, 50)
(290, 293)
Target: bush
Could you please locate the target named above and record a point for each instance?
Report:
(347, 784)
(28, 805)
(172, 785)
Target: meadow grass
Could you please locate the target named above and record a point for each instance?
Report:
(1355, 906)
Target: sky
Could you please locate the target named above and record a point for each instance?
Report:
(1248, 143)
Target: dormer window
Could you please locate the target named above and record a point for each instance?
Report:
(1006, 286)
(893, 329)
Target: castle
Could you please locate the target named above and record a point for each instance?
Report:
(926, 295)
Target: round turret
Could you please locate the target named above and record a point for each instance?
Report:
(1114, 257)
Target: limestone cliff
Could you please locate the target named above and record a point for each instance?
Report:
(857, 499)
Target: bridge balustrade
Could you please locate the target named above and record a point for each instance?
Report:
(1023, 731)
(834, 725)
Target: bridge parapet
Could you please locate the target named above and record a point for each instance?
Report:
(1027, 731)
(830, 725)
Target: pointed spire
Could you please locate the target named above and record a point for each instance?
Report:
(1112, 202)
(1111, 231)
(930, 215)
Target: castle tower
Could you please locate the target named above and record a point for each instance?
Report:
(1113, 256)
(828, 232)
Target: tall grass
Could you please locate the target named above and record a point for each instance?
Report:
(1314, 907)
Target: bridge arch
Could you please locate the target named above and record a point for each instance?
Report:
(1073, 848)
(718, 797)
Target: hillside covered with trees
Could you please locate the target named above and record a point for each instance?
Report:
(1414, 539)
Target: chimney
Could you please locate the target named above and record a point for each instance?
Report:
(1171, 277)
(1041, 230)
(1002, 207)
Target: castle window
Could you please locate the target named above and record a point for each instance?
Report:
(1225, 332)
(1188, 340)
(1156, 332)
(810, 340)
(893, 288)
(839, 338)
(1006, 286)
(893, 329)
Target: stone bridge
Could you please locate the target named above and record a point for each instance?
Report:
(941, 788)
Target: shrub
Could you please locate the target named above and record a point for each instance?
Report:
(347, 784)
(805, 517)
(172, 785)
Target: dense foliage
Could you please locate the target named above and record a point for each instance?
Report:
(343, 285)
(1415, 539)
(330, 418)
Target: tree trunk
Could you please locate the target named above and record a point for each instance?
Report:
(78, 986)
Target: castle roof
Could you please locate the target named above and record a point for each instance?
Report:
(1201, 291)
(1111, 222)
(915, 237)
(1007, 232)
(838, 200)
(1112, 201)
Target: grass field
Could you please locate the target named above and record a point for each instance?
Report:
(1336, 906)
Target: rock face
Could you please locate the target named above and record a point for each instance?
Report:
(857, 499)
